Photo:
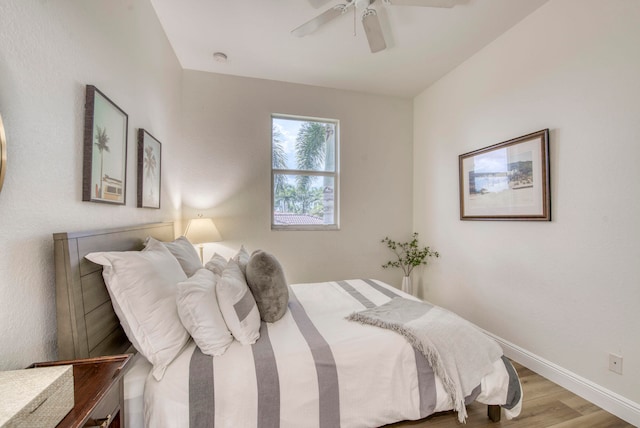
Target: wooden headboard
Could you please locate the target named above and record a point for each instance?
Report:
(87, 324)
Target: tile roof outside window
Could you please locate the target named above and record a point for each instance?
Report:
(298, 219)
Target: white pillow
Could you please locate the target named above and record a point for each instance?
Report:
(185, 253)
(216, 264)
(242, 258)
(237, 304)
(143, 287)
(200, 314)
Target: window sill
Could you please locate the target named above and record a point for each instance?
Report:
(328, 227)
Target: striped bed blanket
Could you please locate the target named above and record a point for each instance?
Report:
(314, 368)
(459, 353)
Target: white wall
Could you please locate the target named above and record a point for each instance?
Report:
(227, 126)
(49, 51)
(567, 291)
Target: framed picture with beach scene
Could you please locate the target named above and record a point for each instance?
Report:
(105, 149)
(507, 181)
(149, 164)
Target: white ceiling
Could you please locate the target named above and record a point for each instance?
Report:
(423, 43)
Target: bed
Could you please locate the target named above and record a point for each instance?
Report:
(312, 367)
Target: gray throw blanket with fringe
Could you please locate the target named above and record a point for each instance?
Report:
(459, 353)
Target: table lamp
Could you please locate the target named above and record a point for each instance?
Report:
(202, 230)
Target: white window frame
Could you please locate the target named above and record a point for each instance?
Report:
(333, 174)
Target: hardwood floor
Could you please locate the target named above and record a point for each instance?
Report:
(546, 405)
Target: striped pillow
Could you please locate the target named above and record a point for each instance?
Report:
(237, 304)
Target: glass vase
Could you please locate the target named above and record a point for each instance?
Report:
(407, 286)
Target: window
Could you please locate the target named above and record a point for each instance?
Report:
(304, 173)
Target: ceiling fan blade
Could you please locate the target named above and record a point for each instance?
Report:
(424, 3)
(373, 31)
(315, 23)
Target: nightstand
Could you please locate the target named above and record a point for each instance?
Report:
(98, 389)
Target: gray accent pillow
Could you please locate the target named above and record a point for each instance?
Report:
(268, 285)
(185, 253)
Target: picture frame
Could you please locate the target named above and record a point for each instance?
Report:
(149, 170)
(507, 181)
(3, 153)
(105, 149)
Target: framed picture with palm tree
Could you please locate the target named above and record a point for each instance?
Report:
(149, 164)
(105, 149)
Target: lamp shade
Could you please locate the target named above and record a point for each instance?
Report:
(201, 230)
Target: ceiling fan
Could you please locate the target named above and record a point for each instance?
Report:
(370, 20)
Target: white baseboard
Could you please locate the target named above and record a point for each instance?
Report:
(608, 400)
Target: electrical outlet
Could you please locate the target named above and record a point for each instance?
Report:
(615, 363)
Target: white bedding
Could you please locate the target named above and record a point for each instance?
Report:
(380, 378)
(134, 380)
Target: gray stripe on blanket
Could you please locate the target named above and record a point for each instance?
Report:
(426, 378)
(356, 294)
(426, 385)
(328, 387)
(474, 394)
(267, 380)
(201, 398)
(381, 289)
(514, 391)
